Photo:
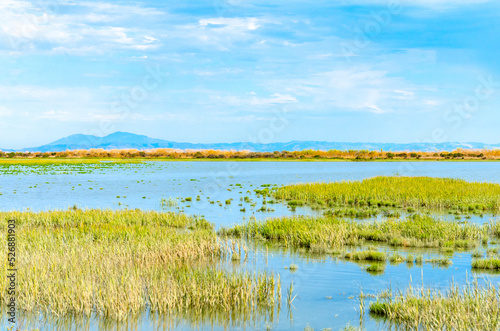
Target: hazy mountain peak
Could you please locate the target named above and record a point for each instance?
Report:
(122, 140)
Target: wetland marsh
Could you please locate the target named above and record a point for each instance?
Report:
(218, 245)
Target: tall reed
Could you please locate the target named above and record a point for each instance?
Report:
(468, 307)
(119, 264)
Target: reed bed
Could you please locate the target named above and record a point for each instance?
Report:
(396, 191)
(491, 263)
(118, 264)
(328, 234)
(467, 307)
(369, 255)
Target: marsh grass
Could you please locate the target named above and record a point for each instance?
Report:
(467, 307)
(118, 264)
(376, 268)
(440, 261)
(494, 228)
(170, 202)
(408, 192)
(353, 212)
(477, 254)
(369, 255)
(327, 234)
(410, 259)
(419, 260)
(396, 258)
(490, 263)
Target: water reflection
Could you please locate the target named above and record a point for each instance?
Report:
(147, 321)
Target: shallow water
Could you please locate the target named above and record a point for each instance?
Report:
(327, 288)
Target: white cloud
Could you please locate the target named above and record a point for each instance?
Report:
(221, 33)
(237, 23)
(274, 99)
(150, 40)
(349, 90)
(221, 71)
(422, 3)
(31, 93)
(97, 26)
(320, 56)
(119, 9)
(404, 95)
(4, 112)
(81, 116)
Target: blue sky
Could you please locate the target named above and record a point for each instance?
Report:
(250, 70)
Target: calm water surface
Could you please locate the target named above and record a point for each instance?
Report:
(327, 288)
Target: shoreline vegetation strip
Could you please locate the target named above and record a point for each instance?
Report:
(117, 264)
(304, 155)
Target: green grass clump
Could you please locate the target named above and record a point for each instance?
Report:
(494, 229)
(396, 258)
(477, 254)
(309, 232)
(419, 260)
(295, 203)
(443, 261)
(408, 192)
(468, 307)
(366, 256)
(170, 202)
(376, 267)
(353, 212)
(118, 264)
(492, 251)
(491, 264)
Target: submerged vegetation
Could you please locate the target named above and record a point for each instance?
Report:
(170, 202)
(398, 192)
(327, 233)
(118, 264)
(468, 307)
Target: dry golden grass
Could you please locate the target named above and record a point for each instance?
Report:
(459, 154)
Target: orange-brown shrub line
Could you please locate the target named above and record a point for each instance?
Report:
(459, 154)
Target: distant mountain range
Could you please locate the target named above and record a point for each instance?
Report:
(125, 140)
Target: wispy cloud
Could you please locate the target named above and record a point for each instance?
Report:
(274, 99)
(441, 4)
(92, 27)
(355, 90)
(235, 61)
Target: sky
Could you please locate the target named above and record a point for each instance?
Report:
(250, 70)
